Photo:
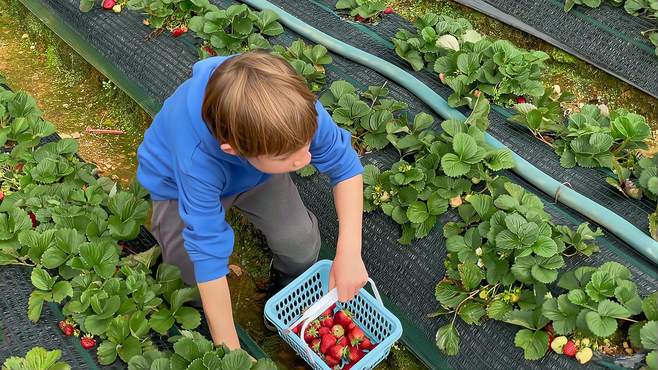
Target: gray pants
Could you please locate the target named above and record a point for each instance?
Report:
(274, 207)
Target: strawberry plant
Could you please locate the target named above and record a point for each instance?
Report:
(170, 14)
(235, 29)
(20, 119)
(445, 169)
(435, 36)
(362, 10)
(543, 117)
(308, 61)
(372, 118)
(37, 358)
(500, 257)
(193, 350)
(498, 69)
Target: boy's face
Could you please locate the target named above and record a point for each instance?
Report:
(277, 164)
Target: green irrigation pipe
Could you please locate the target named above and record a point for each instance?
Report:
(150, 104)
(623, 229)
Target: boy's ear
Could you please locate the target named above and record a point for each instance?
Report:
(228, 149)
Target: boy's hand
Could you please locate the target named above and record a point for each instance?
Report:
(348, 274)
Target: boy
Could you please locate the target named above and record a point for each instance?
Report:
(229, 136)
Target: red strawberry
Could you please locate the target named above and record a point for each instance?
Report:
(310, 334)
(62, 324)
(327, 342)
(343, 318)
(348, 366)
(19, 167)
(342, 341)
(178, 31)
(359, 18)
(389, 10)
(327, 321)
(338, 352)
(109, 4)
(315, 345)
(356, 336)
(68, 330)
(366, 344)
(2, 195)
(355, 354)
(570, 349)
(338, 331)
(87, 342)
(33, 217)
(520, 100)
(549, 329)
(331, 361)
(550, 340)
(297, 329)
(324, 330)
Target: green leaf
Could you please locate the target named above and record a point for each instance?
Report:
(472, 312)
(106, 352)
(500, 159)
(39, 358)
(634, 334)
(96, 325)
(481, 203)
(464, 146)
(601, 326)
(447, 339)
(61, 290)
(161, 321)
(534, 343)
(130, 348)
(499, 310)
(188, 317)
(370, 174)
(453, 166)
(41, 279)
(471, 275)
(35, 305)
(449, 295)
(417, 212)
(626, 294)
(562, 312)
(436, 204)
(601, 286)
(236, 359)
(103, 257)
(650, 306)
(649, 334)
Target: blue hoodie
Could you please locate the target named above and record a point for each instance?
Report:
(181, 159)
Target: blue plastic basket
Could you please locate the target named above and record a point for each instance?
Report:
(377, 322)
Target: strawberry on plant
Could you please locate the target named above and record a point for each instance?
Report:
(87, 342)
(570, 349)
(117, 8)
(68, 330)
(62, 324)
(343, 317)
(584, 355)
(337, 331)
(176, 32)
(109, 4)
(359, 18)
(33, 217)
(520, 100)
(389, 10)
(327, 342)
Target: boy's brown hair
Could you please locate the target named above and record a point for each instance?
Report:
(257, 103)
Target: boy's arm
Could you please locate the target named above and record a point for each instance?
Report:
(332, 153)
(216, 300)
(348, 273)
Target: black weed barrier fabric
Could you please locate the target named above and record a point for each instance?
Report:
(406, 274)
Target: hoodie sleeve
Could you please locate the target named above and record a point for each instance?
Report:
(331, 149)
(207, 236)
